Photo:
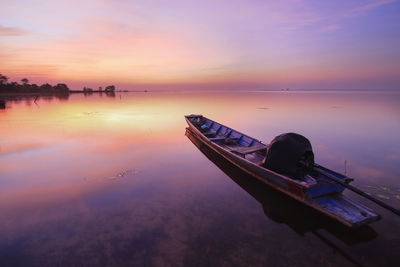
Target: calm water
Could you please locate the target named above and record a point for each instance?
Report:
(115, 181)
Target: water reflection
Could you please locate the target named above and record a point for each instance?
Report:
(6, 101)
(60, 200)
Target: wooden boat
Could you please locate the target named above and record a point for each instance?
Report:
(248, 153)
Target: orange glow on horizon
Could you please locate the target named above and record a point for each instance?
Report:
(263, 44)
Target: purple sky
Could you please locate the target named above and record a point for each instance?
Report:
(203, 44)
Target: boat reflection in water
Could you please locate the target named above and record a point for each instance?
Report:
(283, 209)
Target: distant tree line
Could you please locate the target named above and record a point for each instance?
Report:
(26, 87)
(108, 89)
(60, 90)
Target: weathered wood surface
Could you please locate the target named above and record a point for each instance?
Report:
(248, 150)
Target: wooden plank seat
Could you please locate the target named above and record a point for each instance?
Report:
(217, 139)
(209, 135)
(221, 138)
(247, 150)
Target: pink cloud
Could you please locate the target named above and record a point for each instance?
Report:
(362, 10)
(11, 31)
(332, 27)
(376, 4)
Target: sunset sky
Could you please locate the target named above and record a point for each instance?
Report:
(247, 44)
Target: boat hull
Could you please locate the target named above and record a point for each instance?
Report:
(334, 205)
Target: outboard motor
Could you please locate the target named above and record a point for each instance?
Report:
(289, 154)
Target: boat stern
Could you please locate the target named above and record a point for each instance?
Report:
(345, 210)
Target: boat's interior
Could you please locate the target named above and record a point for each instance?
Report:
(238, 143)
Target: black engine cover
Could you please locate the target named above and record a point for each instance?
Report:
(285, 153)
